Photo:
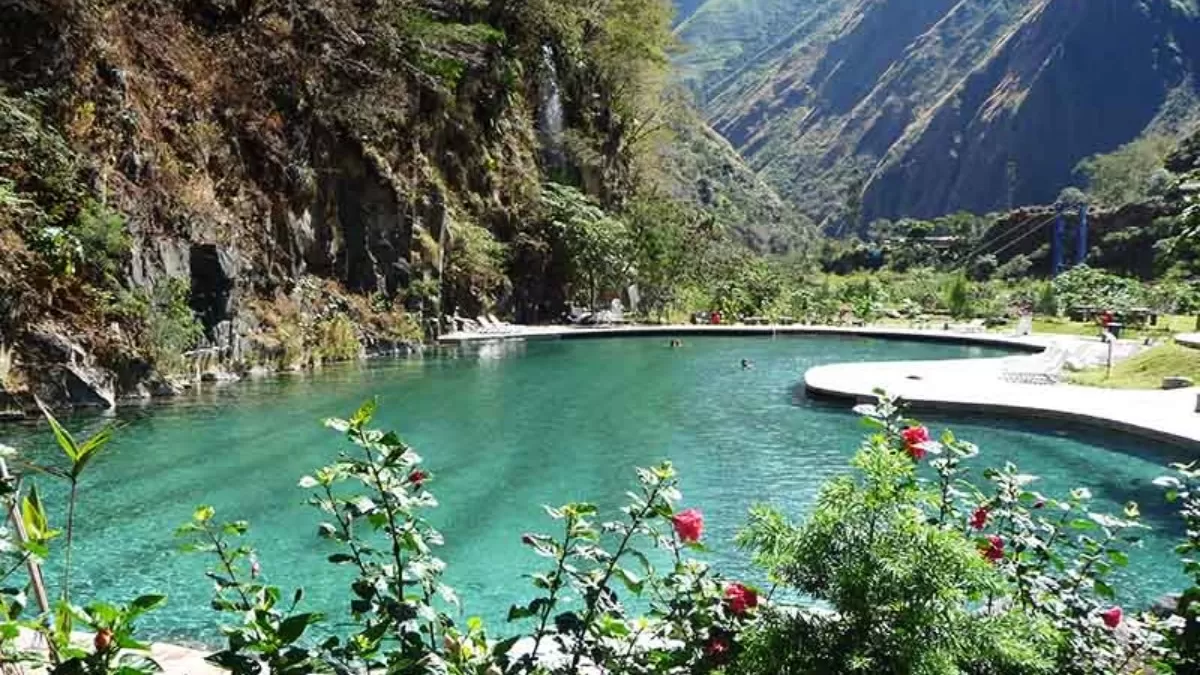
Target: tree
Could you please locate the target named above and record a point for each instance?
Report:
(474, 267)
(1125, 175)
(597, 246)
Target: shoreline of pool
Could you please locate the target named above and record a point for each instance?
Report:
(957, 386)
(1032, 344)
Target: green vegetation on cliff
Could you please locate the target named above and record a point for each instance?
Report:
(405, 155)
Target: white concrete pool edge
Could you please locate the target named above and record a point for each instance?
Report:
(517, 332)
(975, 386)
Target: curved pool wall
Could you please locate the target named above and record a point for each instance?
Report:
(508, 426)
(1012, 344)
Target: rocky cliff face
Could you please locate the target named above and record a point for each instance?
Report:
(301, 170)
(931, 106)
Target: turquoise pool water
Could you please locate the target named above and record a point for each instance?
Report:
(507, 428)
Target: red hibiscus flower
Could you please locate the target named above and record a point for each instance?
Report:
(1112, 617)
(717, 646)
(995, 549)
(979, 519)
(914, 437)
(740, 598)
(689, 525)
(417, 478)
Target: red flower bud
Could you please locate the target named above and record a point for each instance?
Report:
(103, 640)
(417, 478)
(1112, 617)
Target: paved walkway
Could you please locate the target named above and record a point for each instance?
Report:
(977, 385)
(515, 332)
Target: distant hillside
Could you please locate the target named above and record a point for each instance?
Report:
(923, 107)
(703, 168)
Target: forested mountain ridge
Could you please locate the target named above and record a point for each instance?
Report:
(924, 108)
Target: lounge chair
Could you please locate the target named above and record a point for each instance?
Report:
(486, 326)
(463, 324)
(1044, 368)
(975, 326)
(503, 324)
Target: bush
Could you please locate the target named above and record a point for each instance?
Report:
(959, 300)
(1085, 286)
(171, 326)
(1015, 268)
(984, 267)
(935, 575)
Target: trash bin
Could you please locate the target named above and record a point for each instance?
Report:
(1115, 329)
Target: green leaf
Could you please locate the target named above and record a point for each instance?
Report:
(203, 514)
(148, 603)
(235, 663)
(65, 442)
(1119, 558)
(293, 627)
(632, 581)
(1104, 590)
(364, 413)
(535, 608)
(62, 621)
(90, 448)
(33, 514)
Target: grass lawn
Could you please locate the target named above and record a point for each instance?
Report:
(1146, 370)
(1167, 325)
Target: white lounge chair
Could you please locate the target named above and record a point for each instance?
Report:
(975, 326)
(1044, 368)
(497, 322)
(486, 325)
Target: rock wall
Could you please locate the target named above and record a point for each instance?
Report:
(298, 167)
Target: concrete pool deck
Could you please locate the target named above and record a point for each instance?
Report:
(964, 385)
(516, 332)
(976, 386)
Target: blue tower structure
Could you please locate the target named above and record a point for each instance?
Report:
(1056, 246)
(1081, 252)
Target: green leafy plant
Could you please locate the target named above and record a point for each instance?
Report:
(267, 636)
(114, 647)
(1183, 488)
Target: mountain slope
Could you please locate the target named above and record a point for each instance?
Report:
(703, 169)
(931, 106)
